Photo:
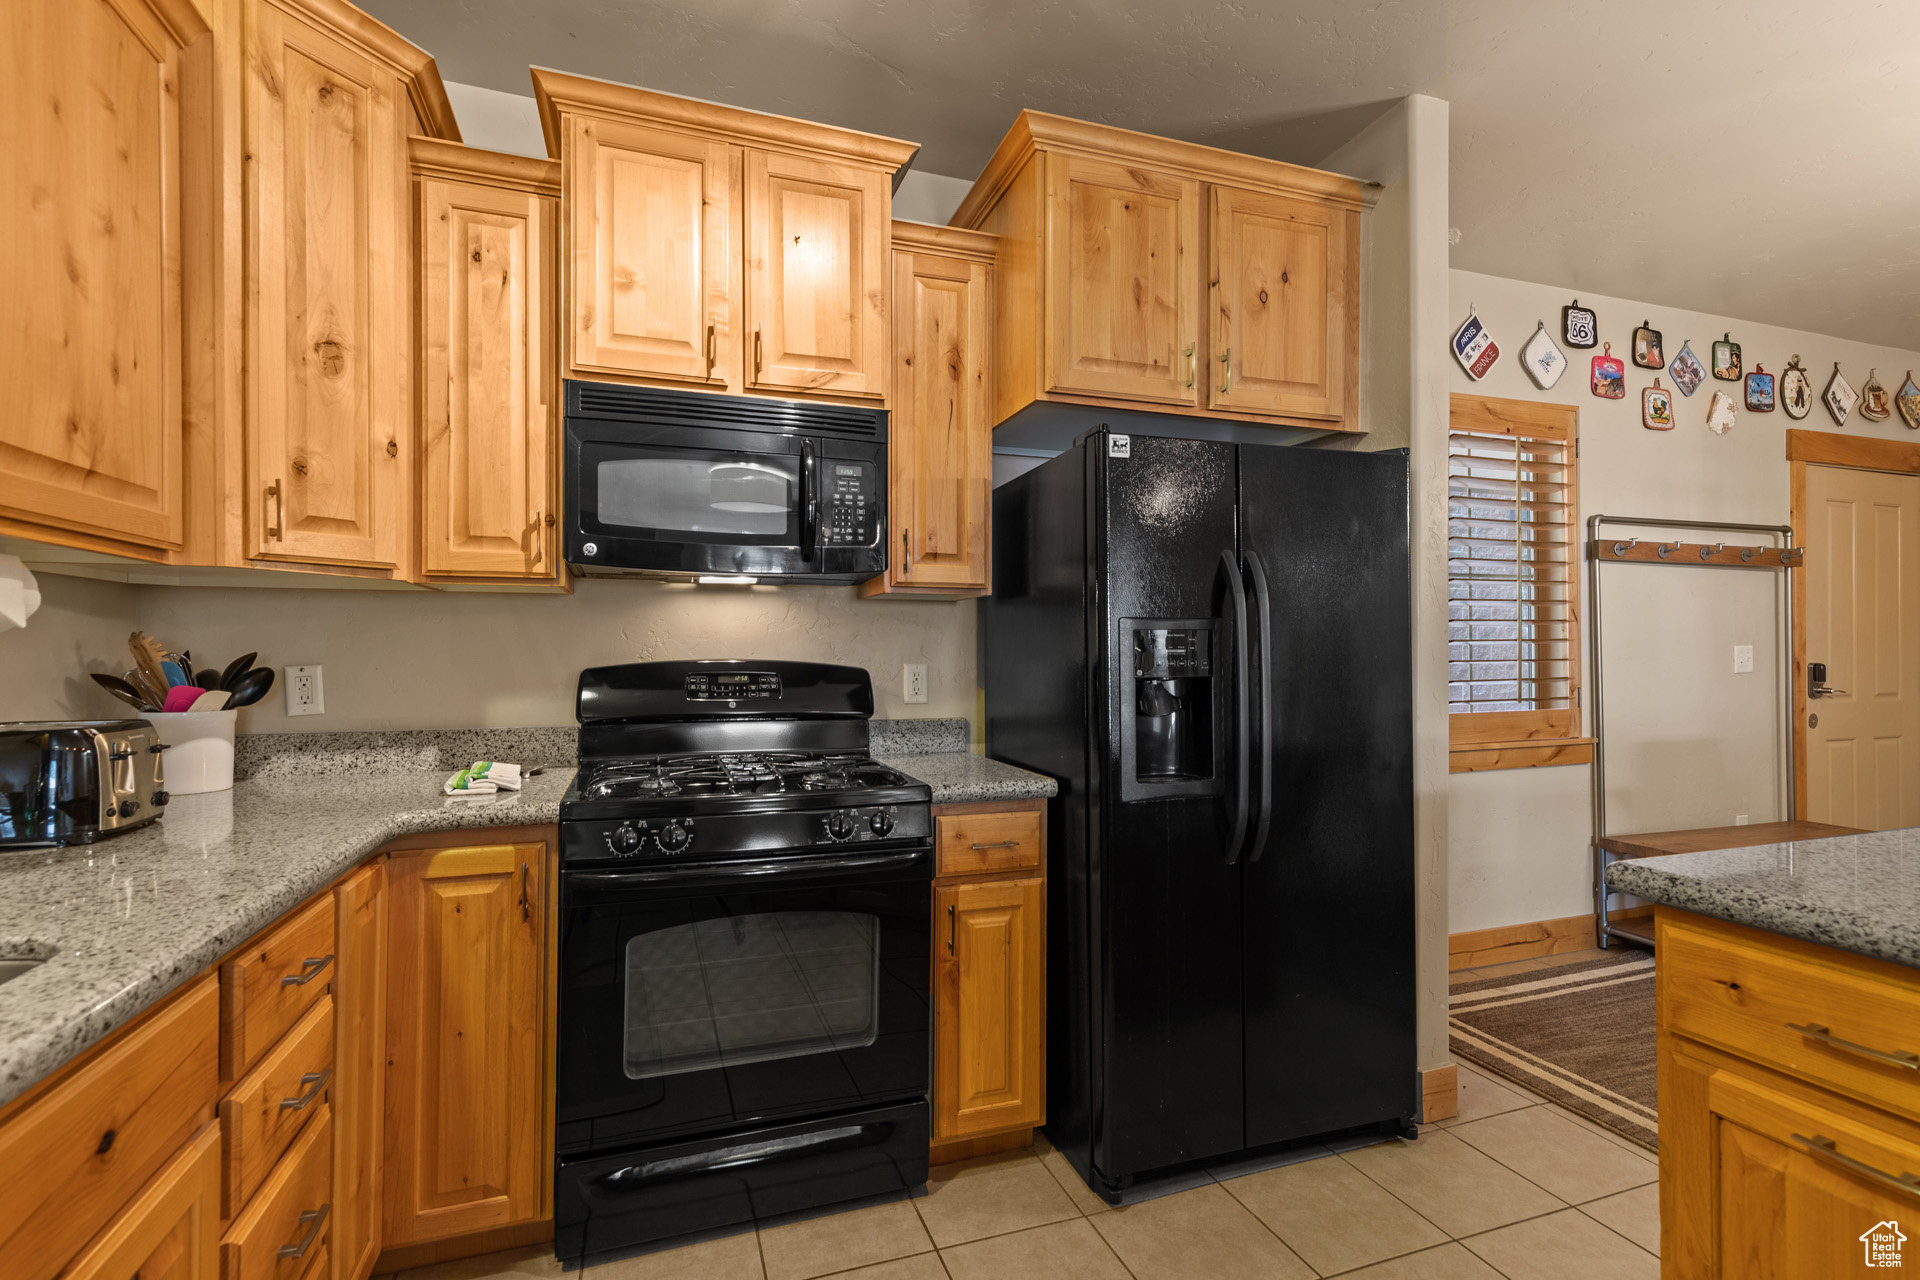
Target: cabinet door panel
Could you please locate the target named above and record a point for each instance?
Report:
(486, 403)
(989, 1018)
(92, 437)
(655, 275)
(1123, 281)
(327, 320)
(940, 447)
(466, 1139)
(1280, 305)
(816, 276)
(171, 1230)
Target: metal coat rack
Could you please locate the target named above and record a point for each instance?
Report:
(1638, 550)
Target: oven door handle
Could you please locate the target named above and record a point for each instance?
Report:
(769, 868)
(810, 502)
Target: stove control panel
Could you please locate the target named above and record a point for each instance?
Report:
(630, 839)
(844, 825)
(731, 686)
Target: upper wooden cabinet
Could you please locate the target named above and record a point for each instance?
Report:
(1114, 245)
(488, 235)
(720, 249)
(939, 441)
(106, 105)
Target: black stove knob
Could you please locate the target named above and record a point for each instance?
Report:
(880, 823)
(676, 836)
(625, 839)
(840, 825)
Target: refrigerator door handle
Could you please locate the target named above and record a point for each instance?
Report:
(1236, 593)
(1263, 602)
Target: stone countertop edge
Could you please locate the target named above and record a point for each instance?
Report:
(960, 777)
(1853, 893)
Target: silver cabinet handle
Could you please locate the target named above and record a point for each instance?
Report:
(1004, 844)
(318, 1217)
(315, 1082)
(1822, 1147)
(309, 970)
(1892, 1057)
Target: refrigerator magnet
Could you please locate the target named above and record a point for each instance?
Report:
(1474, 347)
(1609, 376)
(1647, 352)
(1688, 373)
(1726, 359)
(1875, 404)
(1796, 390)
(1656, 408)
(1544, 360)
(1839, 397)
(1579, 325)
(1760, 390)
(1720, 413)
(1907, 400)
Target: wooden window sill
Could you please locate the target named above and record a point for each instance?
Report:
(1475, 757)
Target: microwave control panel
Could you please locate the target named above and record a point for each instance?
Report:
(852, 504)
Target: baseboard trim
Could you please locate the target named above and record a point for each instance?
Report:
(407, 1256)
(1519, 942)
(1439, 1093)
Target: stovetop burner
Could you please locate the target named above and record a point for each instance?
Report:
(738, 774)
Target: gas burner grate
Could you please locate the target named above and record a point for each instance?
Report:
(743, 773)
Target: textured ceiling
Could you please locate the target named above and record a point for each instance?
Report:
(1759, 160)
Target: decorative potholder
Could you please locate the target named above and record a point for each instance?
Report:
(1656, 408)
(1720, 413)
(1688, 373)
(1760, 390)
(1545, 361)
(1726, 359)
(1474, 347)
(1796, 390)
(1839, 397)
(1647, 352)
(1579, 325)
(1908, 402)
(1875, 404)
(1609, 376)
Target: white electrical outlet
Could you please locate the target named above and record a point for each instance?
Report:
(1742, 659)
(1739, 819)
(913, 679)
(305, 694)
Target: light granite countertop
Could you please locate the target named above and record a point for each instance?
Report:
(958, 777)
(1856, 893)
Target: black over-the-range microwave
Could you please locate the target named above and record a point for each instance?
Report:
(688, 485)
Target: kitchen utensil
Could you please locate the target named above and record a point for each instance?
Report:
(149, 659)
(207, 678)
(211, 700)
(251, 687)
(177, 674)
(181, 698)
(150, 693)
(235, 669)
(120, 689)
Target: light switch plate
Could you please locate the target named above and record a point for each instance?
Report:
(913, 681)
(305, 694)
(1742, 659)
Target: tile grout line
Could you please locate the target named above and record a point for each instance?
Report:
(1571, 1204)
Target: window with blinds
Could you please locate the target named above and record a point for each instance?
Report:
(1512, 602)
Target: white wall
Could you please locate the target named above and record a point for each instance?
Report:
(1689, 743)
(80, 626)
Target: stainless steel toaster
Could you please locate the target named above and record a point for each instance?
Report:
(73, 781)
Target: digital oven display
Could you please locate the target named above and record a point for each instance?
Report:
(732, 686)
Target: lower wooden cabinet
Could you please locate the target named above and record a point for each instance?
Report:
(171, 1231)
(360, 1068)
(468, 1144)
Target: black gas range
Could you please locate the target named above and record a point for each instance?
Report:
(745, 902)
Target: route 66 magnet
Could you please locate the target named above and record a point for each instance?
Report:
(1579, 325)
(1609, 376)
(1474, 347)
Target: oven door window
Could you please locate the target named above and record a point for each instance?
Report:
(750, 988)
(693, 495)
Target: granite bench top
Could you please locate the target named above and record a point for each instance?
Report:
(958, 777)
(1857, 893)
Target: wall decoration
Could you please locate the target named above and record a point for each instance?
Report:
(1545, 362)
(1579, 326)
(1688, 373)
(1720, 413)
(1796, 391)
(1656, 408)
(1647, 352)
(1726, 359)
(1759, 390)
(1609, 376)
(1875, 404)
(1908, 402)
(1474, 347)
(1839, 397)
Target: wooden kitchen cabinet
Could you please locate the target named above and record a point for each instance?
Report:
(360, 1068)
(1114, 245)
(712, 248)
(468, 1144)
(171, 1230)
(106, 107)
(939, 439)
(489, 462)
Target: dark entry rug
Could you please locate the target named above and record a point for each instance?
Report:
(1583, 1035)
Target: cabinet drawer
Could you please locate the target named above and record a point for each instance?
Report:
(277, 1235)
(272, 983)
(1850, 1029)
(69, 1160)
(268, 1108)
(970, 842)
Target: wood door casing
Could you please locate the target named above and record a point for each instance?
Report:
(1279, 313)
(360, 1068)
(1862, 615)
(91, 193)
(1123, 283)
(940, 447)
(654, 276)
(816, 276)
(989, 1026)
(487, 404)
(171, 1230)
(467, 1143)
(328, 350)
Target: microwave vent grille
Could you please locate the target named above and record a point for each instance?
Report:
(736, 413)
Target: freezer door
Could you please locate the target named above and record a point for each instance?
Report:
(1328, 893)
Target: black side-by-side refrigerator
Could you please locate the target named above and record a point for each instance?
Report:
(1209, 646)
